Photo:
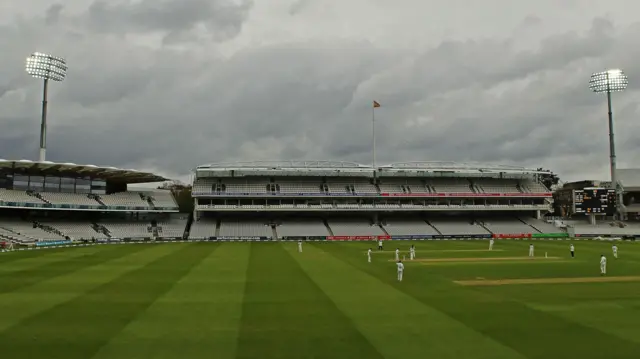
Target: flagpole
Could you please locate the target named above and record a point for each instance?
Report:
(373, 130)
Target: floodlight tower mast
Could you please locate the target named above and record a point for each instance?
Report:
(45, 67)
(609, 81)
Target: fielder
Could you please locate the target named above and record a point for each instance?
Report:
(412, 252)
(299, 246)
(397, 254)
(491, 244)
(380, 245)
(603, 265)
(531, 250)
(615, 251)
(369, 255)
(572, 249)
(400, 270)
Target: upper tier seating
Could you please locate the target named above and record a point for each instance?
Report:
(127, 199)
(61, 198)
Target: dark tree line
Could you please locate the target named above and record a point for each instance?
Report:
(182, 193)
(550, 179)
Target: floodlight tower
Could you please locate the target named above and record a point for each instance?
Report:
(45, 67)
(609, 81)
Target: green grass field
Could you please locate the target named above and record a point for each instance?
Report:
(265, 300)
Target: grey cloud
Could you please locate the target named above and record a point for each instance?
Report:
(133, 105)
(222, 18)
(52, 14)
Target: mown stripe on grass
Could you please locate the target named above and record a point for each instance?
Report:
(199, 317)
(30, 257)
(26, 260)
(398, 325)
(497, 316)
(80, 327)
(76, 260)
(42, 296)
(286, 315)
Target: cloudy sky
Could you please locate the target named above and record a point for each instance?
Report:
(166, 85)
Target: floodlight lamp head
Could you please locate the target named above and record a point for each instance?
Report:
(46, 66)
(609, 81)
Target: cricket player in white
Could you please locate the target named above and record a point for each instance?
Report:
(603, 265)
(369, 255)
(491, 244)
(615, 251)
(400, 270)
(397, 254)
(412, 252)
(380, 245)
(572, 249)
(531, 250)
(299, 246)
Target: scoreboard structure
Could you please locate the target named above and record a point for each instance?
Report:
(594, 200)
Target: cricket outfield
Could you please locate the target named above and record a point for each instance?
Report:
(266, 300)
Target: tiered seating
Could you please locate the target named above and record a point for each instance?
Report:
(172, 228)
(543, 226)
(497, 186)
(299, 187)
(127, 199)
(302, 228)
(203, 185)
(231, 228)
(409, 186)
(8, 234)
(449, 185)
(128, 229)
(28, 232)
(203, 228)
(163, 199)
(76, 230)
(507, 226)
(409, 227)
(354, 227)
(361, 187)
(457, 226)
(9, 195)
(69, 198)
(533, 187)
(258, 187)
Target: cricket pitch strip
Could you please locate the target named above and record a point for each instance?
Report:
(495, 282)
(477, 259)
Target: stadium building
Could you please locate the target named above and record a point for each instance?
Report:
(350, 201)
(46, 203)
(587, 208)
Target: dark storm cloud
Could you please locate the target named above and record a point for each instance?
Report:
(223, 18)
(131, 101)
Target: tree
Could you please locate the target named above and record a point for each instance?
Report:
(182, 193)
(549, 179)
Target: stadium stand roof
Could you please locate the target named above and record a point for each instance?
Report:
(283, 164)
(416, 165)
(47, 168)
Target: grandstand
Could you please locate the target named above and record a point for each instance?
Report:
(66, 202)
(345, 200)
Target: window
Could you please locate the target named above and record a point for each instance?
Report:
(83, 185)
(36, 183)
(21, 182)
(52, 184)
(98, 187)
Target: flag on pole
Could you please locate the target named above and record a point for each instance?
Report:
(376, 104)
